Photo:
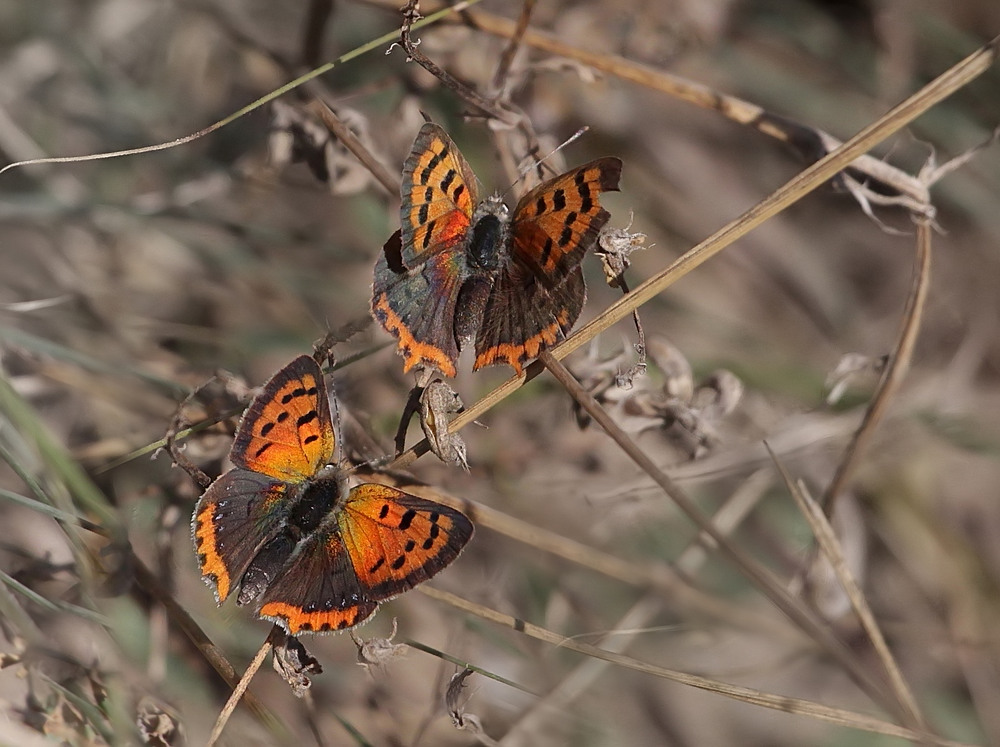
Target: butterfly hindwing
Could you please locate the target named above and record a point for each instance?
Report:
(556, 223)
(418, 306)
(523, 316)
(397, 540)
(287, 432)
(238, 514)
(318, 590)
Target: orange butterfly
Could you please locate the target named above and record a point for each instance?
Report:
(310, 553)
(460, 269)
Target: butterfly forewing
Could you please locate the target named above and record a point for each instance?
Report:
(238, 514)
(438, 195)
(397, 540)
(556, 223)
(287, 432)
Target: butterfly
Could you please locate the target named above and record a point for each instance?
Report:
(460, 269)
(308, 551)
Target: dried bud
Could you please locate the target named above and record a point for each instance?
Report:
(438, 404)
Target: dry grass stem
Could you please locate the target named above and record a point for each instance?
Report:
(895, 371)
(831, 549)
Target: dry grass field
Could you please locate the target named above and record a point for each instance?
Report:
(844, 353)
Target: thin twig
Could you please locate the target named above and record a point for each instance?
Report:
(241, 688)
(895, 371)
(388, 179)
(510, 51)
(411, 14)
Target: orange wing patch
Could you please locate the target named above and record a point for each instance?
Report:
(412, 350)
(557, 222)
(210, 560)
(287, 431)
(396, 540)
(439, 193)
(297, 620)
(516, 355)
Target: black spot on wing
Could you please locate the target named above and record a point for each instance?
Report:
(407, 519)
(432, 164)
(448, 179)
(547, 251)
(428, 233)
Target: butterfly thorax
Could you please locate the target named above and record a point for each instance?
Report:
(320, 497)
(487, 246)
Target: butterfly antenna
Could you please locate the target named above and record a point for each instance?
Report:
(547, 156)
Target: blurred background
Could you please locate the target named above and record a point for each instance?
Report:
(127, 282)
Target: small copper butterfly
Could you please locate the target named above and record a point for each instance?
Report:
(460, 269)
(309, 552)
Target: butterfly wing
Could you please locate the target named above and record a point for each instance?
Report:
(540, 292)
(287, 432)
(238, 514)
(396, 540)
(523, 316)
(556, 223)
(421, 269)
(438, 193)
(418, 306)
(318, 589)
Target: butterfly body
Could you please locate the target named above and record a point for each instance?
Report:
(460, 270)
(306, 549)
